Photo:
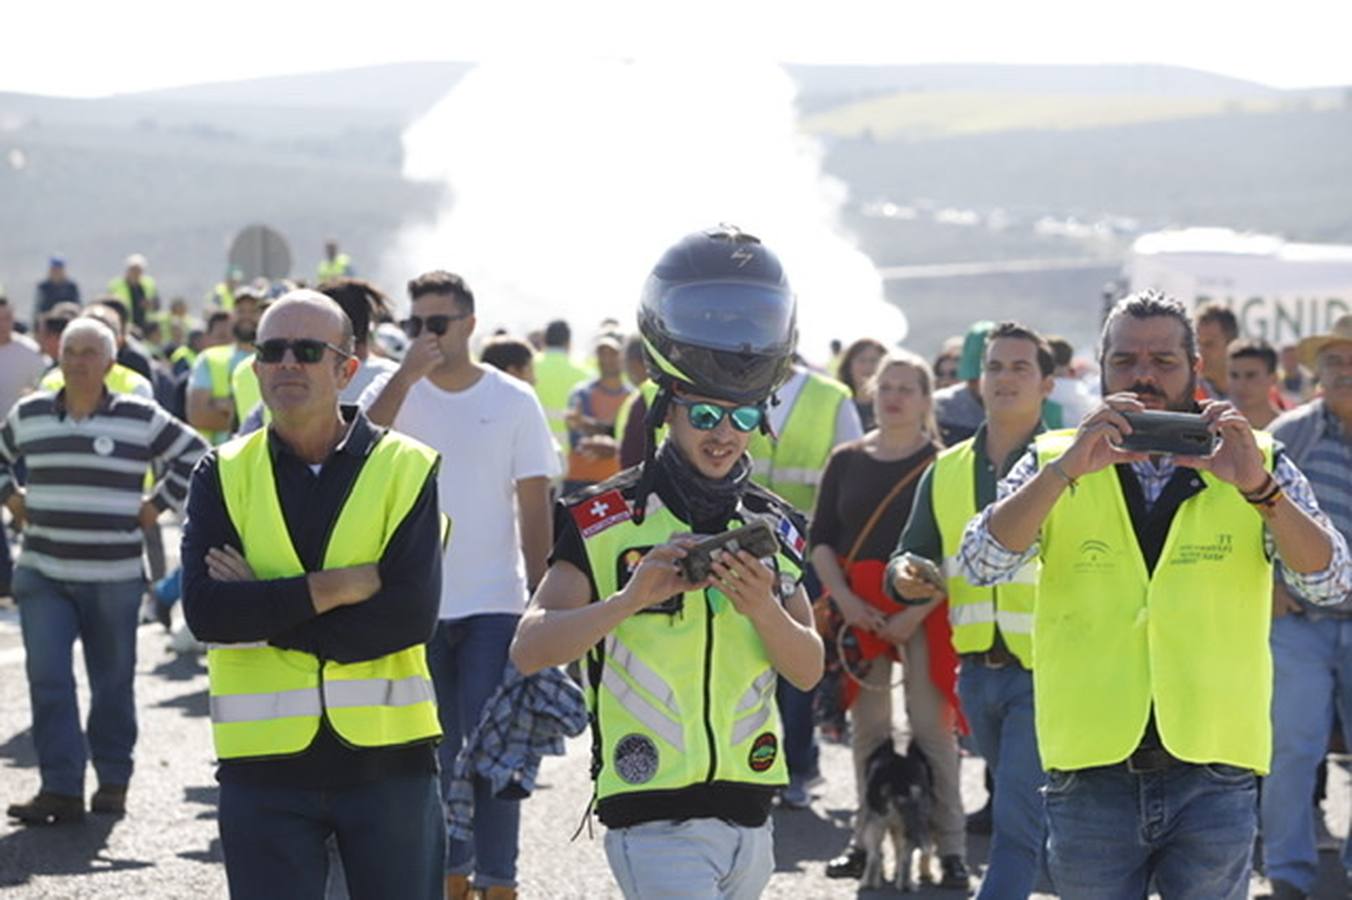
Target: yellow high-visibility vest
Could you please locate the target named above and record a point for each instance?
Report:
(792, 464)
(267, 702)
(1114, 640)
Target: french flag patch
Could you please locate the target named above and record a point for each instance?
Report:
(600, 512)
(790, 536)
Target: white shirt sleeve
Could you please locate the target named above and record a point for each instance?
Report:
(848, 426)
(372, 391)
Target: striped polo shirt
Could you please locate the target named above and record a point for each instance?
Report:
(1328, 466)
(86, 480)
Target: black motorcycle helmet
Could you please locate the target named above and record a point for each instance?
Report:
(717, 316)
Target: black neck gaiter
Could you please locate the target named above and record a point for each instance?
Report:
(705, 503)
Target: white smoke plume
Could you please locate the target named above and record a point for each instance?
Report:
(567, 180)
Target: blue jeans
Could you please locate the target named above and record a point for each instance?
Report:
(467, 658)
(1312, 663)
(693, 859)
(998, 704)
(1188, 828)
(103, 615)
(795, 711)
(391, 835)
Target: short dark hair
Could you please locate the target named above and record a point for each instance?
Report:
(440, 281)
(1223, 316)
(116, 306)
(219, 315)
(558, 334)
(1063, 354)
(1150, 304)
(1045, 364)
(507, 352)
(359, 299)
(1253, 348)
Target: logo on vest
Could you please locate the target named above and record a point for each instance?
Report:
(595, 515)
(764, 750)
(636, 759)
(628, 564)
(1214, 552)
(1095, 558)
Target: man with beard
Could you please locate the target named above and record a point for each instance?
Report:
(685, 780)
(211, 401)
(1153, 683)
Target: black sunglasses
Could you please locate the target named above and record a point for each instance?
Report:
(305, 350)
(706, 416)
(413, 325)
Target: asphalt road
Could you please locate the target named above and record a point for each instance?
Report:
(167, 845)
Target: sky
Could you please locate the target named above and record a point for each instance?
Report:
(84, 49)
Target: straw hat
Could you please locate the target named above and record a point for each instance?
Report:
(1309, 349)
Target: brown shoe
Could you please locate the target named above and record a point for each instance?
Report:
(457, 887)
(110, 799)
(499, 892)
(49, 809)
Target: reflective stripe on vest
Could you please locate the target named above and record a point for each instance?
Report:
(266, 701)
(793, 463)
(975, 612)
(1188, 640)
(647, 681)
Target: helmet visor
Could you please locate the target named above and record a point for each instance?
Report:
(730, 315)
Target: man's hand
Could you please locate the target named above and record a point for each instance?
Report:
(149, 514)
(18, 508)
(1237, 460)
(423, 355)
(1283, 602)
(1095, 445)
(333, 588)
(228, 564)
(747, 582)
(857, 613)
(909, 585)
(658, 577)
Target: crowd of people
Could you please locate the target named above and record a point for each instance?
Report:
(417, 557)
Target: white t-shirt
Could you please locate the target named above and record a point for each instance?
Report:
(490, 436)
(21, 365)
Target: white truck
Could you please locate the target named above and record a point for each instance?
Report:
(1278, 290)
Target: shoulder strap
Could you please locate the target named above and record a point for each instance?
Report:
(878, 511)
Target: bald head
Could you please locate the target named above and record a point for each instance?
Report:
(309, 311)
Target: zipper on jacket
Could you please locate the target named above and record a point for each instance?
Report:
(708, 672)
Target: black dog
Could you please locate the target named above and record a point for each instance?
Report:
(900, 797)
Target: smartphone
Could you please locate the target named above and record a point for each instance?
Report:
(928, 572)
(1168, 433)
(756, 538)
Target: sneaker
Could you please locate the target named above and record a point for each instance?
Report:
(183, 642)
(49, 809)
(849, 864)
(110, 799)
(795, 796)
(954, 874)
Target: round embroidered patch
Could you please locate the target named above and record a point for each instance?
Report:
(764, 749)
(636, 758)
(103, 445)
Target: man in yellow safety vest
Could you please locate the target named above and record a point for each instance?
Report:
(1153, 676)
(682, 675)
(312, 567)
(211, 390)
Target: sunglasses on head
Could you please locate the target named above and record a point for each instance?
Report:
(305, 350)
(706, 416)
(413, 325)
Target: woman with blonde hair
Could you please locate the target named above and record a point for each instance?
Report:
(865, 498)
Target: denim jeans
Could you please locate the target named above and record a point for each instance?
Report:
(467, 658)
(391, 834)
(1312, 663)
(795, 711)
(998, 704)
(1188, 828)
(103, 615)
(693, 859)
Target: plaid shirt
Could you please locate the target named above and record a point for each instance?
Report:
(526, 718)
(985, 561)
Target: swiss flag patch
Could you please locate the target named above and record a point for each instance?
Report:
(598, 513)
